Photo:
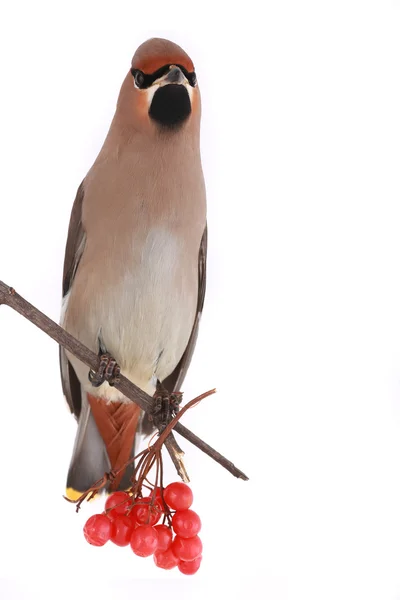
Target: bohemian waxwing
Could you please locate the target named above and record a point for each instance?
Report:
(134, 271)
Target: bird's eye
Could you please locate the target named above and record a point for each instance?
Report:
(192, 79)
(139, 78)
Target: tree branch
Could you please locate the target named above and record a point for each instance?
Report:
(10, 297)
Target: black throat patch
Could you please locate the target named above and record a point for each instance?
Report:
(170, 106)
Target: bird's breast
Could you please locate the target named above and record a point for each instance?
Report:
(136, 292)
(149, 309)
(136, 285)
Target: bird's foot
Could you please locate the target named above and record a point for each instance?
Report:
(166, 406)
(108, 370)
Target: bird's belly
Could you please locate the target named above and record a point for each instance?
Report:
(143, 315)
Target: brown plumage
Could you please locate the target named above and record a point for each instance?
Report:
(134, 272)
(153, 56)
(117, 423)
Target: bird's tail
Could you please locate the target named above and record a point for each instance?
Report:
(105, 441)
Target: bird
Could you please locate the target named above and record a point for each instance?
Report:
(134, 275)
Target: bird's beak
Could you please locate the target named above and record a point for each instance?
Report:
(174, 75)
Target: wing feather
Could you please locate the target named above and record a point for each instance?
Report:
(73, 253)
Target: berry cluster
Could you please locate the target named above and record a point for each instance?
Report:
(128, 520)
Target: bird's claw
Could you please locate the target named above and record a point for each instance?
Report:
(108, 370)
(166, 406)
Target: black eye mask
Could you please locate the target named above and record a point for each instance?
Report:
(143, 80)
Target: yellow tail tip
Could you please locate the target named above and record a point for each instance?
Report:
(72, 494)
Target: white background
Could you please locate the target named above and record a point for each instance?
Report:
(301, 330)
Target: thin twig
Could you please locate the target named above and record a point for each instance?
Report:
(176, 453)
(10, 297)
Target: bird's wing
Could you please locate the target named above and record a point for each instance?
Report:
(73, 253)
(174, 381)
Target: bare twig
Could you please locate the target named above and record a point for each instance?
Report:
(9, 297)
(176, 453)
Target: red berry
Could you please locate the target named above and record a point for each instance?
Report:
(186, 523)
(190, 567)
(178, 496)
(119, 502)
(144, 540)
(122, 530)
(165, 559)
(144, 514)
(97, 530)
(164, 537)
(187, 549)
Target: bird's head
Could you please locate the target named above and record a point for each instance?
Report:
(160, 92)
